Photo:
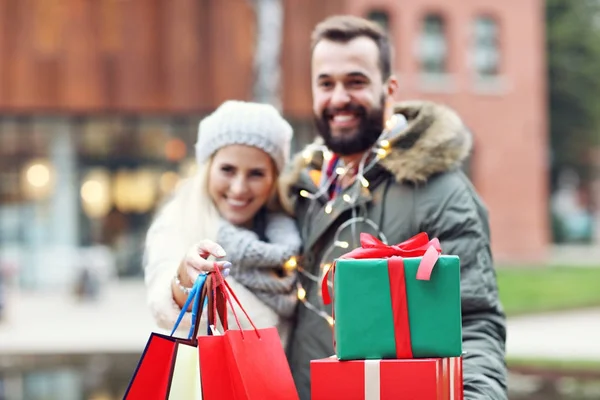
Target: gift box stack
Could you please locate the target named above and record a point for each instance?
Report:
(397, 331)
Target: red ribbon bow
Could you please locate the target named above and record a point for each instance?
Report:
(371, 247)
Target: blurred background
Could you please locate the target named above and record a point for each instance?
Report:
(99, 106)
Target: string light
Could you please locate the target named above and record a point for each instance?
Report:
(311, 307)
(325, 270)
(393, 127)
(306, 194)
(290, 265)
(307, 155)
(301, 293)
(391, 122)
(382, 153)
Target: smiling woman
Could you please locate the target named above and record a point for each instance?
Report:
(231, 200)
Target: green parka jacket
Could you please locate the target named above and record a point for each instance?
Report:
(418, 187)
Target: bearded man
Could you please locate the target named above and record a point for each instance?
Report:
(413, 183)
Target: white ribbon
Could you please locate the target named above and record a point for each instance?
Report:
(372, 380)
(456, 378)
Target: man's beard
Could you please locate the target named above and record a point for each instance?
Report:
(367, 133)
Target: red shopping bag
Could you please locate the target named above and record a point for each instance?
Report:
(155, 377)
(155, 366)
(242, 364)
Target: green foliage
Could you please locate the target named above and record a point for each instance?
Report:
(554, 364)
(541, 289)
(573, 51)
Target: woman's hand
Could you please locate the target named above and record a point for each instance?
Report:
(195, 261)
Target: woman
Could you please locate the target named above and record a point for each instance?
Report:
(232, 200)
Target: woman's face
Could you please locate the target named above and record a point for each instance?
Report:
(240, 181)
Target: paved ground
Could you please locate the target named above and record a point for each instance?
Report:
(567, 335)
(49, 323)
(120, 322)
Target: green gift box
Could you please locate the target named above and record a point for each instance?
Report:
(389, 306)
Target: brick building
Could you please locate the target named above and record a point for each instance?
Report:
(486, 59)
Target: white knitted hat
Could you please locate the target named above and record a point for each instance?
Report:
(252, 124)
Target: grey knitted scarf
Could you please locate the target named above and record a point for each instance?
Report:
(258, 264)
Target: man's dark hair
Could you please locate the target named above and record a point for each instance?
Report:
(343, 28)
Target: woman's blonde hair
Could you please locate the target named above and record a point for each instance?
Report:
(184, 219)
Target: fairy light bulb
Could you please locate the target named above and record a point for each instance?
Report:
(327, 155)
(391, 122)
(290, 264)
(307, 155)
(330, 320)
(347, 198)
(364, 182)
(382, 153)
(397, 124)
(342, 244)
(328, 208)
(340, 171)
(385, 144)
(301, 294)
(324, 271)
(305, 194)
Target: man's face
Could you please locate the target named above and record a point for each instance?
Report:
(349, 94)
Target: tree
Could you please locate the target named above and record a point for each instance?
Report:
(267, 62)
(573, 49)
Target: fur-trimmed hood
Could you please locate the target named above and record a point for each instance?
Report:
(435, 140)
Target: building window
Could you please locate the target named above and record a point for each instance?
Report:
(486, 54)
(381, 17)
(433, 47)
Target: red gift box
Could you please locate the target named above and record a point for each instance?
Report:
(416, 379)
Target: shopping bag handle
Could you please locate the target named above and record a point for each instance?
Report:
(227, 294)
(198, 317)
(194, 295)
(217, 305)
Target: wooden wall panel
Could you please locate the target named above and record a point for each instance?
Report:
(139, 62)
(79, 75)
(231, 48)
(186, 46)
(3, 53)
(301, 16)
(21, 78)
(63, 56)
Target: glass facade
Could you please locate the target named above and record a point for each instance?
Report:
(78, 186)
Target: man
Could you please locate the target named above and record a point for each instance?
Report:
(417, 187)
